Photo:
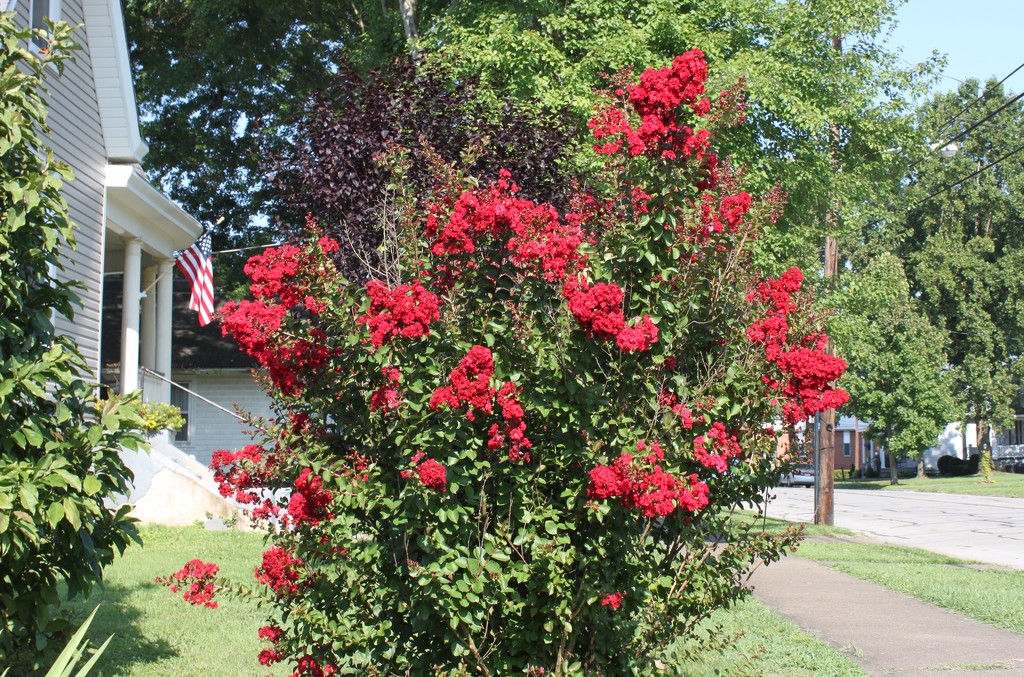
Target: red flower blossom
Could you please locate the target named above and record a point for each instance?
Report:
(613, 600)
(514, 428)
(309, 500)
(723, 447)
(432, 475)
(197, 578)
(387, 396)
(646, 487)
(407, 311)
(597, 309)
(280, 571)
(470, 384)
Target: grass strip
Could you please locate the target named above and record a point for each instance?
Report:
(989, 594)
(1007, 485)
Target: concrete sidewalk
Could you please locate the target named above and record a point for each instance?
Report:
(886, 632)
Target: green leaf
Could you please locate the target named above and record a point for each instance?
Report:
(71, 513)
(29, 496)
(54, 514)
(92, 485)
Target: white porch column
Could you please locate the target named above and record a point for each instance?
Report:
(130, 315)
(164, 324)
(148, 330)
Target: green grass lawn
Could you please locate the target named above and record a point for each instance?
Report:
(157, 633)
(1005, 484)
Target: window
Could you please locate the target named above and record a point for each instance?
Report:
(846, 443)
(40, 9)
(180, 398)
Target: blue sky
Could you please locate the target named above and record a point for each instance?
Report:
(982, 38)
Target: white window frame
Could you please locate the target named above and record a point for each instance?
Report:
(184, 435)
(53, 13)
(846, 443)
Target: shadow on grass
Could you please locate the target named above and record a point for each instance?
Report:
(119, 616)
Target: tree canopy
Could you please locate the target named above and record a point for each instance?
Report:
(214, 77)
(897, 360)
(964, 247)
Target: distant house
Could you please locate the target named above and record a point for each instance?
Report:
(125, 224)
(214, 375)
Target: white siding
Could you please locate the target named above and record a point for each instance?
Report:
(78, 140)
(211, 429)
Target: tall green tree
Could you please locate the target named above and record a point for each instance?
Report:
(964, 246)
(896, 361)
(214, 76)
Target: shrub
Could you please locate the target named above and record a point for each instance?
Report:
(59, 459)
(521, 451)
(158, 416)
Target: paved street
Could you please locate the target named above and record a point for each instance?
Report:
(985, 529)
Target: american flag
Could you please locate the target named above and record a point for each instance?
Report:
(196, 263)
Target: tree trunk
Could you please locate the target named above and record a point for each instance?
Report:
(408, 10)
(894, 474)
(985, 447)
(920, 467)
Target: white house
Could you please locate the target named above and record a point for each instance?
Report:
(125, 224)
(128, 231)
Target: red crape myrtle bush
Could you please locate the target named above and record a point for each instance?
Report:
(521, 452)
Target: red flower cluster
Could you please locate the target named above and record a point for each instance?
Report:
(514, 427)
(470, 384)
(613, 600)
(430, 473)
(726, 215)
(656, 99)
(598, 310)
(309, 500)
(271, 634)
(807, 387)
(647, 487)
(199, 577)
(637, 337)
(274, 273)
(280, 571)
(807, 370)
(407, 310)
(308, 667)
(387, 396)
(669, 400)
(256, 327)
(237, 473)
(253, 324)
(723, 447)
(537, 239)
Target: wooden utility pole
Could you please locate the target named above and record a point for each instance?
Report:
(824, 476)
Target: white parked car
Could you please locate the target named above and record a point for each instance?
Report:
(802, 476)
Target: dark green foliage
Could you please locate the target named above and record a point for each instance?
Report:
(59, 445)
(964, 246)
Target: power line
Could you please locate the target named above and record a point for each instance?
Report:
(969, 176)
(975, 125)
(982, 96)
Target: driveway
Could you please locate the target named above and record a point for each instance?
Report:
(981, 528)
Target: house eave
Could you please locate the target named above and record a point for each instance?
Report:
(135, 208)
